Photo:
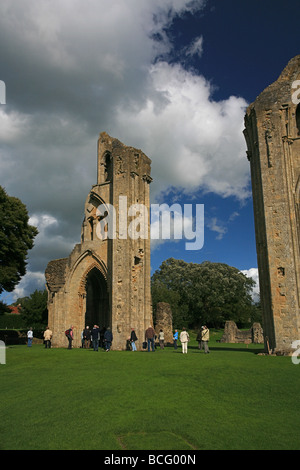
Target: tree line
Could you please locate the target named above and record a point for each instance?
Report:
(206, 293)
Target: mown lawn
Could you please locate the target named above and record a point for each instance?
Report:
(232, 398)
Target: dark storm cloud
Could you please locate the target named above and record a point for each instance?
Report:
(74, 69)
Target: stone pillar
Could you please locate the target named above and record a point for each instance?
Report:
(272, 132)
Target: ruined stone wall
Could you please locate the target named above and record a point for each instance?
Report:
(114, 263)
(164, 321)
(273, 140)
(233, 335)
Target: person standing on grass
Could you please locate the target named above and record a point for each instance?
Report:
(29, 337)
(199, 339)
(161, 339)
(175, 339)
(87, 337)
(133, 339)
(205, 338)
(69, 335)
(95, 337)
(47, 337)
(150, 338)
(108, 337)
(184, 339)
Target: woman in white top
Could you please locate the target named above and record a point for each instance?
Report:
(184, 339)
(161, 339)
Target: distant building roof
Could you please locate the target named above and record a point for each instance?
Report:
(15, 309)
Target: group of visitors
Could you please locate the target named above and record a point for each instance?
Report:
(104, 338)
(47, 337)
(202, 338)
(97, 337)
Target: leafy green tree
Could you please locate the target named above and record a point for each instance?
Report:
(160, 293)
(208, 292)
(34, 308)
(3, 308)
(16, 238)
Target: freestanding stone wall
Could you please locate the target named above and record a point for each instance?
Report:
(272, 132)
(233, 335)
(106, 278)
(164, 321)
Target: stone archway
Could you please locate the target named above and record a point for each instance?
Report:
(97, 304)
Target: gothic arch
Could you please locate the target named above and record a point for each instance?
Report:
(95, 262)
(93, 286)
(106, 167)
(94, 265)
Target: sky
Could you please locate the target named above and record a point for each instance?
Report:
(171, 77)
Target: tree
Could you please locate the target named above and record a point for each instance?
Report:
(209, 292)
(34, 308)
(16, 238)
(160, 293)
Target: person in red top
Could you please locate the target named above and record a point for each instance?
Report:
(150, 338)
(70, 336)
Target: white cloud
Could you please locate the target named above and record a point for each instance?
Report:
(253, 273)
(74, 69)
(216, 226)
(193, 141)
(13, 126)
(196, 48)
(30, 282)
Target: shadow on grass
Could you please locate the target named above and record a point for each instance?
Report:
(241, 348)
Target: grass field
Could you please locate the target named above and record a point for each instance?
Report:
(232, 398)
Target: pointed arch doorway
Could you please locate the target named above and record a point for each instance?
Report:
(97, 304)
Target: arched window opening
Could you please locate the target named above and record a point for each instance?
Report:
(107, 167)
(97, 312)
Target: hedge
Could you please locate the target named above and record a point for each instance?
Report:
(18, 322)
(18, 336)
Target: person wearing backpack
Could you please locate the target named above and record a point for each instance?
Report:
(69, 335)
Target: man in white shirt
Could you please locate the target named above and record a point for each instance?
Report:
(29, 337)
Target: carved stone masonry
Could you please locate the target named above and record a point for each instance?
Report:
(272, 132)
(106, 281)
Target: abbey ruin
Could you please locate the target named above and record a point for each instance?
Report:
(106, 278)
(272, 132)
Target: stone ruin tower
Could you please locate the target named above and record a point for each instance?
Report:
(106, 278)
(272, 132)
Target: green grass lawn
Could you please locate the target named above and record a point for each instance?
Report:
(232, 398)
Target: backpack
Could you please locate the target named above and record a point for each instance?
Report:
(67, 332)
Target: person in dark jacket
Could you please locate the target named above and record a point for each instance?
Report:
(95, 333)
(108, 337)
(87, 337)
(133, 339)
